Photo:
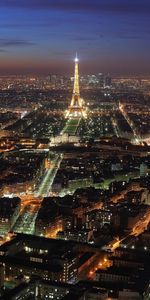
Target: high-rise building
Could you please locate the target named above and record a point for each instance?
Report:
(100, 79)
(107, 81)
(53, 79)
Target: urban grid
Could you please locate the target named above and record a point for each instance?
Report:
(74, 174)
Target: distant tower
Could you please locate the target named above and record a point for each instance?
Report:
(76, 108)
(108, 81)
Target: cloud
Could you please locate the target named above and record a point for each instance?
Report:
(85, 38)
(130, 37)
(2, 50)
(14, 43)
(97, 6)
(29, 24)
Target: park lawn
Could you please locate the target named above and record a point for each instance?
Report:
(71, 126)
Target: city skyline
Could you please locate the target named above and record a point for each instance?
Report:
(41, 37)
(74, 149)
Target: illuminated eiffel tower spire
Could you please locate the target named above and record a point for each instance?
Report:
(76, 77)
(76, 108)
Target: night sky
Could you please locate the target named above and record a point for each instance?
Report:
(42, 36)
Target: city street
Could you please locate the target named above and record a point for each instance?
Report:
(48, 179)
(26, 222)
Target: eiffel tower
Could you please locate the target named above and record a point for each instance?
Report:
(76, 108)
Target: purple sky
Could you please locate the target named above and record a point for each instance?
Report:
(42, 36)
